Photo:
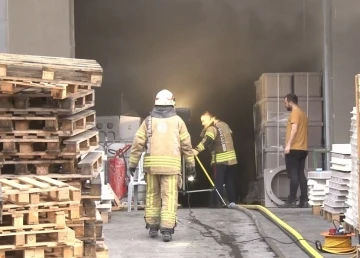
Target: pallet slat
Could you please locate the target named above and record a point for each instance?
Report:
(18, 222)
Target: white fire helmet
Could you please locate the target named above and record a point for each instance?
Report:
(164, 98)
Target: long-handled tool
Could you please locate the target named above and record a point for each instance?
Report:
(210, 180)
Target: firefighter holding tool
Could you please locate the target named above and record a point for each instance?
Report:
(217, 137)
(164, 137)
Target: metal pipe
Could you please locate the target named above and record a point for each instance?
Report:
(328, 79)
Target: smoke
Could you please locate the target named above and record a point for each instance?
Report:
(208, 52)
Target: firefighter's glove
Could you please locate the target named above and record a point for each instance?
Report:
(191, 172)
(132, 171)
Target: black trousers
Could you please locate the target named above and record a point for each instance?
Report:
(223, 174)
(295, 168)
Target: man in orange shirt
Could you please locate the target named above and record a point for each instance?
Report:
(296, 151)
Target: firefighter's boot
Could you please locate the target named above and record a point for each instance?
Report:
(167, 234)
(153, 230)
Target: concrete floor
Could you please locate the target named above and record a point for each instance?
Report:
(215, 233)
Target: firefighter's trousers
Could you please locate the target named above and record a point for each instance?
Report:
(161, 200)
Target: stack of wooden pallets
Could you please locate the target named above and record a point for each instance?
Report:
(35, 214)
(47, 128)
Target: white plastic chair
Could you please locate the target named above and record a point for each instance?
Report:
(133, 187)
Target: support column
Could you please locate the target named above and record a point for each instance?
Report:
(328, 79)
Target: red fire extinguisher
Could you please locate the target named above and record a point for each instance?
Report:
(117, 171)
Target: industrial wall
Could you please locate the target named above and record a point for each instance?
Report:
(39, 27)
(346, 63)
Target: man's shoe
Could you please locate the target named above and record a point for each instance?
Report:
(166, 236)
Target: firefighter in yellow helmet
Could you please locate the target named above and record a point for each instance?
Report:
(164, 137)
(217, 137)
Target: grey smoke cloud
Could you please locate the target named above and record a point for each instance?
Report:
(208, 52)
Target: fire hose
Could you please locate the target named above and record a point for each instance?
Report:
(291, 232)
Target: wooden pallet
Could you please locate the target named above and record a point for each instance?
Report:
(18, 222)
(37, 214)
(25, 190)
(91, 164)
(47, 125)
(331, 216)
(37, 166)
(57, 91)
(56, 70)
(50, 251)
(29, 146)
(35, 238)
(40, 102)
(16, 85)
(48, 147)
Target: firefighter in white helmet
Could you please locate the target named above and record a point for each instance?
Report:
(164, 137)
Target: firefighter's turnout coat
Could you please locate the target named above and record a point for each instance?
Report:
(217, 137)
(164, 137)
